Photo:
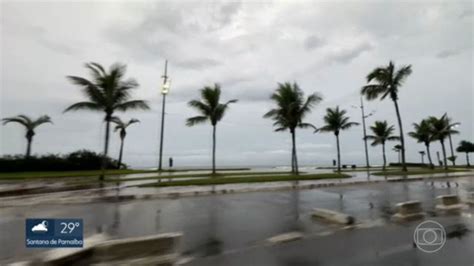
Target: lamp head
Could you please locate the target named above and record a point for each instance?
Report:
(165, 88)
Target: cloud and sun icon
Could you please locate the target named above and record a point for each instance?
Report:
(41, 227)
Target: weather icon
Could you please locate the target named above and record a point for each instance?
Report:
(41, 227)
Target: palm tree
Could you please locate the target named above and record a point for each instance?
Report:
(441, 128)
(397, 148)
(335, 121)
(29, 125)
(387, 81)
(422, 153)
(453, 157)
(106, 92)
(467, 147)
(382, 133)
(423, 134)
(291, 109)
(211, 110)
(122, 126)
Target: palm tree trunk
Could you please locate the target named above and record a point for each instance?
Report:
(384, 157)
(338, 154)
(106, 147)
(452, 150)
(121, 153)
(213, 149)
(292, 159)
(28, 147)
(402, 139)
(444, 155)
(292, 154)
(295, 158)
(429, 155)
(467, 159)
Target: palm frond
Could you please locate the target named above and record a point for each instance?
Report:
(42, 120)
(211, 95)
(378, 74)
(196, 120)
(372, 92)
(402, 74)
(349, 125)
(200, 106)
(133, 121)
(14, 120)
(84, 106)
(80, 81)
(116, 120)
(307, 125)
(209, 105)
(135, 104)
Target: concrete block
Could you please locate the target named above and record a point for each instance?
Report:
(409, 207)
(449, 203)
(333, 216)
(408, 211)
(448, 199)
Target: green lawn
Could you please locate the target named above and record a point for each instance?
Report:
(419, 171)
(244, 179)
(92, 173)
(207, 175)
(52, 174)
(364, 169)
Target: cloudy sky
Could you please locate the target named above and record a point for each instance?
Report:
(247, 47)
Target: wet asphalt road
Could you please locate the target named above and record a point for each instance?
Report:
(231, 229)
(388, 245)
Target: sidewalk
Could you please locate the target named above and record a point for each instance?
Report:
(132, 192)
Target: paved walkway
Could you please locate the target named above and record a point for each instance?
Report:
(130, 191)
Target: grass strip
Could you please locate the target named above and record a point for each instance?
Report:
(94, 173)
(207, 175)
(59, 174)
(416, 172)
(244, 179)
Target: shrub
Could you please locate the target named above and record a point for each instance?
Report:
(78, 160)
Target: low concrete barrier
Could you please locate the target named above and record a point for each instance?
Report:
(449, 203)
(333, 216)
(67, 256)
(286, 237)
(408, 211)
(161, 249)
(20, 190)
(116, 198)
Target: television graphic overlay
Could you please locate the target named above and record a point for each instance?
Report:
(54, 233)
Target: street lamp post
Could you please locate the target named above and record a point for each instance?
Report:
(364, 130)
(451, 144)
(164, 91)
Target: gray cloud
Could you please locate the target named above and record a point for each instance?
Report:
(313, 42)
(348, 54)
(41, 36)
(198, 63)
(448, 53)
